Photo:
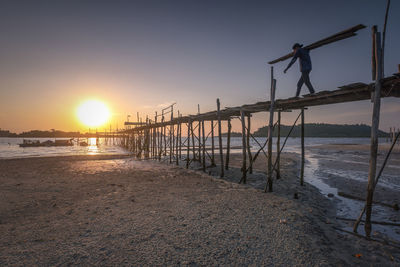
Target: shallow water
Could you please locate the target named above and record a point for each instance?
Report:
(9, 148)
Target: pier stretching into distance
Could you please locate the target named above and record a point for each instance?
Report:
(161, 138)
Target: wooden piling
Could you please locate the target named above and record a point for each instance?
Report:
(188, 144)
(278, 148)
(374, 135)
(270, 131)
(302, 149)
(228, 144)
(221, 154)
(248, 144)
(244, 147)
(203, 146)
(212, 145)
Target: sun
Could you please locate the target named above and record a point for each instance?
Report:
(93, 113)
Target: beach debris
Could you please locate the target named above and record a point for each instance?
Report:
(358, 255)
(283, 221)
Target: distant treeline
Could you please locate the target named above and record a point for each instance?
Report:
(37, 133)
(318, 130)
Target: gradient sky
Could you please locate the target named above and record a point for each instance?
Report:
(137, 56)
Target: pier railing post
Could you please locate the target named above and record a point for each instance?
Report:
(221, 154)
(248, 144)
(203, 145)
(188, 144)
(212, 145)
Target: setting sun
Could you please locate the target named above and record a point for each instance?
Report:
(93, 113)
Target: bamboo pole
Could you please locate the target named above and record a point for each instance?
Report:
(278, 148)
(212, 145)
(270, 130)
(244, 168)
(248, 144)
(373, 61)
(203, 145)
(228, 144)
(374, 135)
(177, 143)
(384, 38)
(188, 144)
(221, 154)
(193, 141)
(302, 149)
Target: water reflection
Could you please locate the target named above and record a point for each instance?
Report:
(93, 146)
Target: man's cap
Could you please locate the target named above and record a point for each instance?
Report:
(297, 45)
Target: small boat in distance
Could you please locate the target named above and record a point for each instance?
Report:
(37, 143)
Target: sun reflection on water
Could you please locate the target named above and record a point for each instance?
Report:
(93, 146)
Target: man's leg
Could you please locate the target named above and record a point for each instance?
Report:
(299, 85)
(306, 79)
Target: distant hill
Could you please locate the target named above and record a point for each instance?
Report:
(323, 130)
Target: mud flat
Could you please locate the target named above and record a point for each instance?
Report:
(112, 210)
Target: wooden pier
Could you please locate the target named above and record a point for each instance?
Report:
(154, 139)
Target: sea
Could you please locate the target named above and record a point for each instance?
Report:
(321, 168)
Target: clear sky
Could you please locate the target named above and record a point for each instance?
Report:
(136, 56)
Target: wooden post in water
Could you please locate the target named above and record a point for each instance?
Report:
(221, 154)
(204, 145)
(374, 135)
(228, 144)
(278, 148)
(188, 144)
(270, 129)
(180, 139)
(302, 149)
(248, 144)
(244, 147)
(212, 145)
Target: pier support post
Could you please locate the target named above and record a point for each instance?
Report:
(188, 144)
(270, 130)
(228, 144)
(278, 148)
(248, 144)
(221, 154)
(302, 149)
(203, 145)
(244, 147)
(212, 145)
(374, 134)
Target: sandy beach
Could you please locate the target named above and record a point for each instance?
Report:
(114, 210)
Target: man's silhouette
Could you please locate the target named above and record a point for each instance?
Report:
(305, 67)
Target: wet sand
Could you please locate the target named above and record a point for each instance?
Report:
(109, 210)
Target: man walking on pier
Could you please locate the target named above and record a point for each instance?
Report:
(305, 67)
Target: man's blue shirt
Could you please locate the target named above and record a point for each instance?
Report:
(304, 59)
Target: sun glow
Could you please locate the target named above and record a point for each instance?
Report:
(93, 113)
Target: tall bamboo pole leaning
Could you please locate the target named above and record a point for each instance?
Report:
(228, 144)
(374, 135)
(248, 144)
(188, 144)
(221, 154)
(199, 129)
(384, 38)
(302, 148)
(244, 147)
(212, 145)
(270, 129)
(204, 145)
(278, 148)
(180, 139)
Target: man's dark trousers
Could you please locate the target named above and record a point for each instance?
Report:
(305, 78)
